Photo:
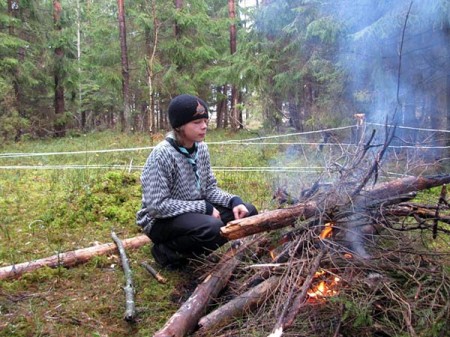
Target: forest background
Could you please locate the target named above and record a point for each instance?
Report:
(301, 70)
(76, 66)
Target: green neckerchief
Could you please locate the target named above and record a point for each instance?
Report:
(191, 159)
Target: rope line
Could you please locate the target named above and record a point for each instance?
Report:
(137, 168)
(37, 154)
(409, 128)
(286, 135)
(248, 141)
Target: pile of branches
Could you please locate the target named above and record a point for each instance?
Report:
(356, 257)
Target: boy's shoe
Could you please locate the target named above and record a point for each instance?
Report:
(166, 257)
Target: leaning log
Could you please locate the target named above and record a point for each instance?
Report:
(377, 195)
(269, 221)
(238, 306)
(69, 259)
(184, 321)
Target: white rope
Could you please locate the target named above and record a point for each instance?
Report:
(285, 135)
(136, 168)
(36, 154)
(409, 127)
(248, 141)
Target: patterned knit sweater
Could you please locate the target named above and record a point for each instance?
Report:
(169, 186)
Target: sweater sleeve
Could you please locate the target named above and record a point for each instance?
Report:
(157, 188)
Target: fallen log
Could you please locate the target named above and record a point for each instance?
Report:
(184, 321)
(69, 259)
(238, 306)
(334, 204)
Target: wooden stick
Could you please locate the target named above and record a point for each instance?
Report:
(130, 307)
(70, 258)
(289, 315)
(185, 320)
(442, 200)
(154, 273)
(239, 305)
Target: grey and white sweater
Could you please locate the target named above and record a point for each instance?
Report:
(169, 186)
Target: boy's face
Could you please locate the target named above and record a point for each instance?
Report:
(194, 131)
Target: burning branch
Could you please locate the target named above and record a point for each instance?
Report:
(285, 322)
(335, 242)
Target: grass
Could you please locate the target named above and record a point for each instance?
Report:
(45, 211)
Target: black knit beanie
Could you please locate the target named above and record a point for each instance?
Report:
(186, 108)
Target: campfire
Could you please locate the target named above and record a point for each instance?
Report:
(339, 250)
(325, 288)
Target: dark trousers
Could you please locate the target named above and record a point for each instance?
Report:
(193, 232)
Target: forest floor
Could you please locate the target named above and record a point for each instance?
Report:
(68, 195)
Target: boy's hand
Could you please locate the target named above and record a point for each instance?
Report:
(240, 211)
(216, 213)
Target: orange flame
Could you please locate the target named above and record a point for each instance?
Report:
(327, 230)
(272, 254)
(325, 288)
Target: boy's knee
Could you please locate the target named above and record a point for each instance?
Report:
(213, 227)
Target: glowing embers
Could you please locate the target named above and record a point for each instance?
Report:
(327, 231)
(326, 285)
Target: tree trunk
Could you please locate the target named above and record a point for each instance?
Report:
(176, 27)
(234, 113)
(125, 112)
(81, 112)
(221, 107)
(69, 259)
(60, 122)
(13, 13)
(151, 53)
(447, 63)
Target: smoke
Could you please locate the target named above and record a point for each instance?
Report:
(396, 54)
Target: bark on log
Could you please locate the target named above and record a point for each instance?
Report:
(130, 307)
(238, 306)
(69, 259)
(185, 320)
(403, 210)
(269, 221)
(368, 198)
